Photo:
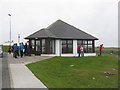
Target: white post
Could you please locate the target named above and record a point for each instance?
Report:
(57, 49)
(75, 47)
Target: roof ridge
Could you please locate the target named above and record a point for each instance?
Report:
(77, 28)
(54, 22)
(61, 29)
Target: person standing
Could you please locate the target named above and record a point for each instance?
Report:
(21, 49)
(15, 50)
(9, 49)
(28, 49)
(82, 51)
(25, 51)
(101, 47)
(79, 51)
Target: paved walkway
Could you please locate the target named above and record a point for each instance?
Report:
(5, 72)
(21, 76)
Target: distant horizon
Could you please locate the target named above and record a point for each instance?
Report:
(95, 45)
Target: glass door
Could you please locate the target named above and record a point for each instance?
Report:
(38, 47)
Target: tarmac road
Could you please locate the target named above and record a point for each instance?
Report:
(5, 72)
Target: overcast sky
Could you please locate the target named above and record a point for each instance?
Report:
(96, 17)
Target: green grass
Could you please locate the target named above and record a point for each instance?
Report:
(57, 73)
(5, 48)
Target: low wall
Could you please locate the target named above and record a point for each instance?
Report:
(108, 51)
(69, 55)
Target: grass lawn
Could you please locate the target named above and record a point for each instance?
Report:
(56, 72)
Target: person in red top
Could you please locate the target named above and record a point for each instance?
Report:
(101, 47)
(79, 51)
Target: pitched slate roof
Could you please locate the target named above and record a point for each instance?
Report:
(43, 33)
(61, 30)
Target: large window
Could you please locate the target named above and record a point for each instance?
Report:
(90, 50)
(52, 46)
(33, 44)
(90, 47)
(43, 46)
(37, 45)
(48, 46)
(67, 46)
(87, 45)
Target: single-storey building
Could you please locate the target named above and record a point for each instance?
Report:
(61, 39)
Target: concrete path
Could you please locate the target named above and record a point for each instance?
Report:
(32, 59)
(24, 78)
(21, 76)
(5, 72)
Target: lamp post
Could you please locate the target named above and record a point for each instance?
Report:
(10, 28)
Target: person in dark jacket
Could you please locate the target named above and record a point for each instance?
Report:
(13, 50)
(28, 49)
(17, 50)
(25, 51)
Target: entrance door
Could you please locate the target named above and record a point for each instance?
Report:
(38, 47)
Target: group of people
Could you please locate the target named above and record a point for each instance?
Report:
(20, 50)
(81, 50)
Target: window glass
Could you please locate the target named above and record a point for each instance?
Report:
(90, 48)
(86, 46)
(37, 45)
(79, 42)
(89, 42)
(33, 44)
(69, 41)
(64, 42)
(84, 42)
(52, 46)
(70, 47)
(64, 48)
(67, 46)
(43, 46)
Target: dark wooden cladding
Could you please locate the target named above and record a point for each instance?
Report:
(51, 50)
(47, 46)
(30, 44)
(93, 46)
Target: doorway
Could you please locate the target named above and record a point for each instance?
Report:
(37, 47)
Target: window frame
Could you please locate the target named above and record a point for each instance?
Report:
(67, 44)
(84, 44)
